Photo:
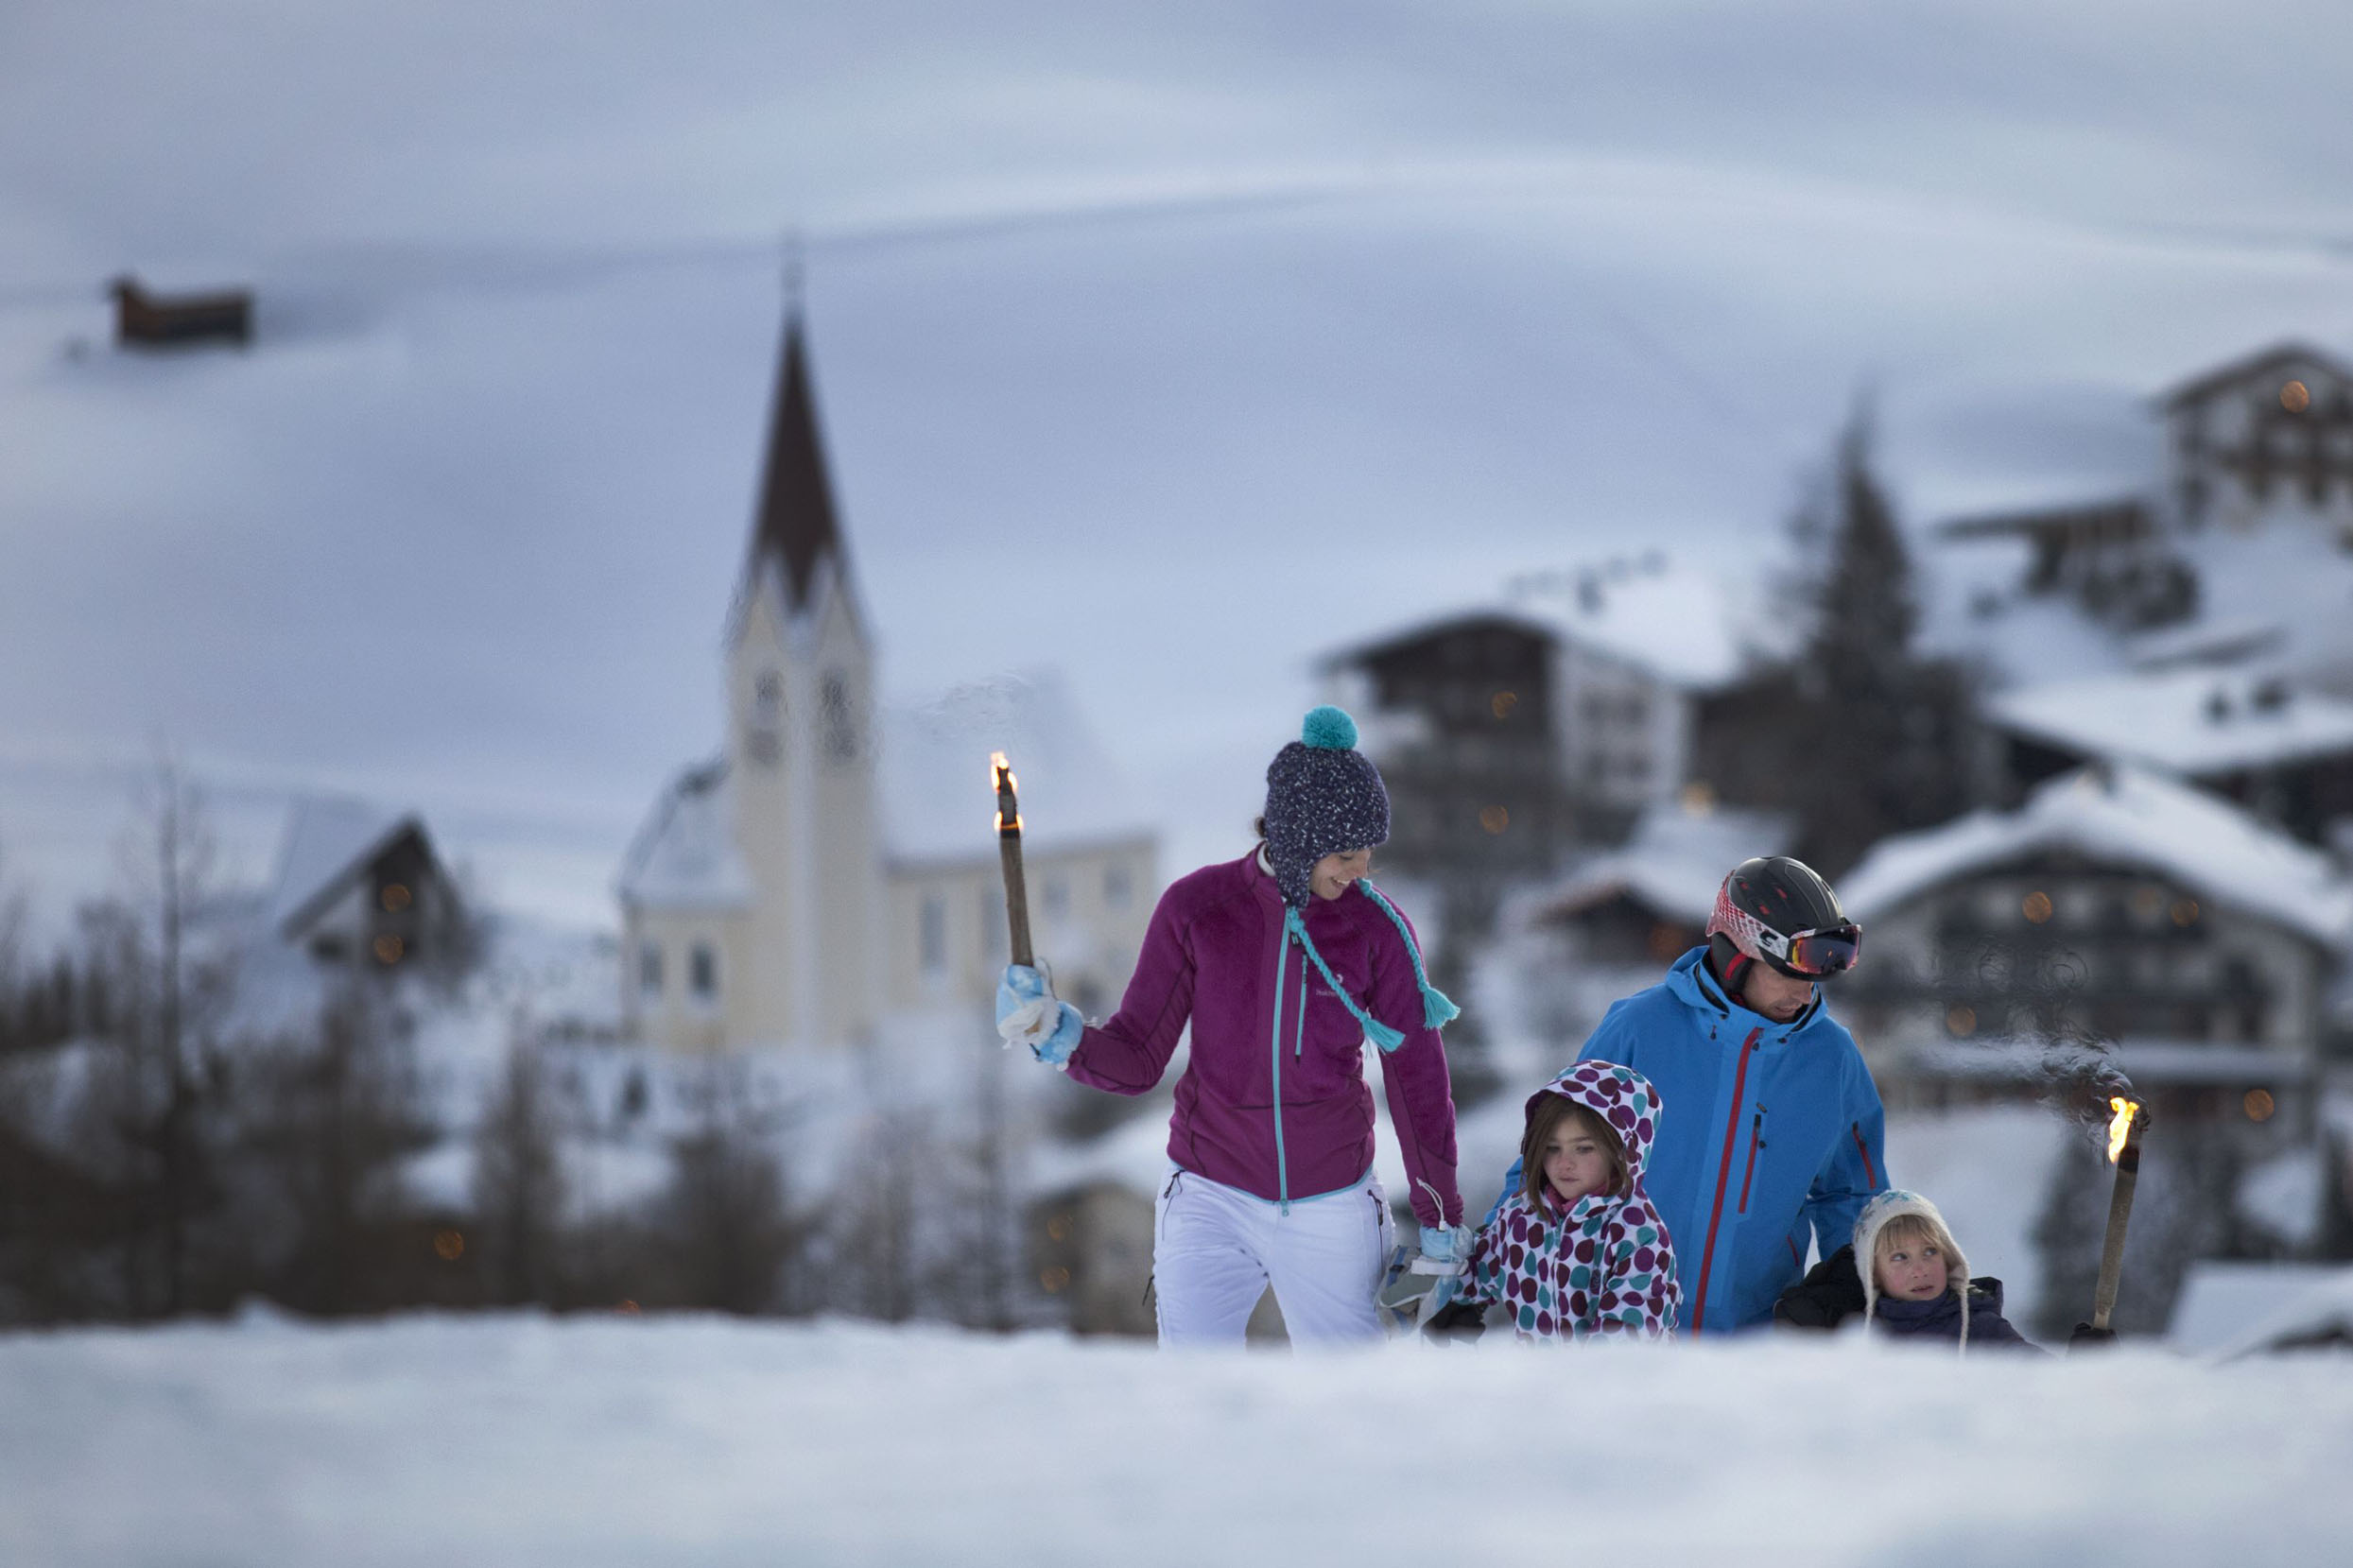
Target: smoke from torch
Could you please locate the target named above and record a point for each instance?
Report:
(2125, 1126)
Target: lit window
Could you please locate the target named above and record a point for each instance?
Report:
(649, 968)
(702, 972)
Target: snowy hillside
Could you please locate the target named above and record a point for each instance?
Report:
(525, 1442)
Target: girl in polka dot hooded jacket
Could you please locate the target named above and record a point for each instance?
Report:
(1599, 1260)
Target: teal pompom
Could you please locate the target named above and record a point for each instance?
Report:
(1330, 727)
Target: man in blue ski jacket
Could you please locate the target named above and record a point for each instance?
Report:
(1771, 1124)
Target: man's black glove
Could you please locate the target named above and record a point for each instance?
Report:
(1831, 1291)
(2086, 1334)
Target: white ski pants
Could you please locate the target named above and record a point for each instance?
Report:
(1216, 1248)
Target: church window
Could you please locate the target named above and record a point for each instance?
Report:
(934, 934)
(767, 711)
(1116, 888)
(838, 720)
(702, 972)
(649, 968)
(1057, 897)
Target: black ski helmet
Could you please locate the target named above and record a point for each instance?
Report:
(1779, 911)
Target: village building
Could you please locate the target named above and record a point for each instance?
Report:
(1554, 718)
(145, 320)
(2116, 911)
(831, 865)
(2202, 624)
(362, 888)
(2284, 753)
(1639, 907)
(2238, 548)
(1464, 715)
(2277, 426)
(1617, 917)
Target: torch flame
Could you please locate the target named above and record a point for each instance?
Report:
(2119, 1124)
(1001, 780)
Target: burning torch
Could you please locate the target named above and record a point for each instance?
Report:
(1009, 858)
(2129, 1120)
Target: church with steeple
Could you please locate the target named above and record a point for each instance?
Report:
(833, 865)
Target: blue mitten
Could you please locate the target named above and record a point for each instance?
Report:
(1444, 1249)
(1027, 1014)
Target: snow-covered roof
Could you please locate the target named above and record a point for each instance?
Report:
(1692, 627)
(936, 796)
(685, 856)
(2220, 1302)
(2194, 721)
(2321, 1313)
(1673, 862)
(2265, 366)
(328, 839)
(2286, 569)
(1480, 612)
(2128, 814)
(2207, 641)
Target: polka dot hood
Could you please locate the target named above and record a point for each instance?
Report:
(1605, 1266)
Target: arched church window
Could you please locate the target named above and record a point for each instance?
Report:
(702, 972)
(649, 968)
(838, 717)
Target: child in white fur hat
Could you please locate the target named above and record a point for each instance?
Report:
(1907, 1276)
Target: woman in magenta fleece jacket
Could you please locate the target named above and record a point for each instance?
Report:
(1285, 963)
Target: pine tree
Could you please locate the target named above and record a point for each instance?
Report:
(1859, 735)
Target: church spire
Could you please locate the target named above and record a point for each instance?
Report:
(795, 523)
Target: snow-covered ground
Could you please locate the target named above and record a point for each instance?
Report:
(522, 1440)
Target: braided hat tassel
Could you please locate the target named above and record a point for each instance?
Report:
(1438, 1008)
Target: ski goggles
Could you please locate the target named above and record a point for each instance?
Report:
(1814, 953)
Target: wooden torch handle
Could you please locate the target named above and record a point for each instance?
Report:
(1016, 899)
(1009, 858)
(2119, 1215)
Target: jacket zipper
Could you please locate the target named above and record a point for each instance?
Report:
(1871, 1172)
(1756, 1142)
(1723, 1175)
(1282, 1171)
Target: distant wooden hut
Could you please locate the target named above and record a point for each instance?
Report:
(145, 320)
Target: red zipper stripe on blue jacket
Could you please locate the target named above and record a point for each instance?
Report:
(1723, 1176)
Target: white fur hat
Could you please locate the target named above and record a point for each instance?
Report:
(1874, 1218)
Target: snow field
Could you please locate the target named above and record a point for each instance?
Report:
(525, 1440)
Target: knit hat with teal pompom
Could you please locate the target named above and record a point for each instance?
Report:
(1323, 797)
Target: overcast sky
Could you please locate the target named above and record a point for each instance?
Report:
(1168, 344)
